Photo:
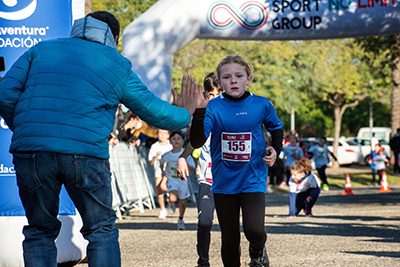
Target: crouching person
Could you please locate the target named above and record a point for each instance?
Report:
(304, 188)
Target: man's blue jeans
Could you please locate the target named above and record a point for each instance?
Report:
(87, 180)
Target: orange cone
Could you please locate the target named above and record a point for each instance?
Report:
(347, 187)
(384, 184)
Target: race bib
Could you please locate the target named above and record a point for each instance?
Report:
(236, 146)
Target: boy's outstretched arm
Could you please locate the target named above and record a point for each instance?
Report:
(333, 156)
(197, 136)
(182, 169)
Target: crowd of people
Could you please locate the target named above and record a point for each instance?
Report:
(62, 132)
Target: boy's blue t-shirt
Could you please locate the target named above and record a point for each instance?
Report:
(237, 142)
(290, 151)
(320, 155)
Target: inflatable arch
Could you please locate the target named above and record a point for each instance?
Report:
(151, 40)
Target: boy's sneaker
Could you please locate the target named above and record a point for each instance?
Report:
(163, 214)
(325, 187)
(261, 261)
(181, 225)
(283, 185)
(308, 212)
(171, 208)
(269, 190)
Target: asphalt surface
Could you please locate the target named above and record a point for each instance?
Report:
(346, 230)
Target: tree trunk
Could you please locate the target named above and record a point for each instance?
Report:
(395, 120)
(336, 134)
(338, 112)
(88, 6)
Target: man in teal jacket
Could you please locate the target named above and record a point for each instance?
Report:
(60, 99)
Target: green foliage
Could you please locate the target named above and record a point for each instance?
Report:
(293, 74)
(124, 10)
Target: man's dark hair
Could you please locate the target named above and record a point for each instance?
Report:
(108, 18)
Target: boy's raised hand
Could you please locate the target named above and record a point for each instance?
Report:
(189, 94)
(202, 99)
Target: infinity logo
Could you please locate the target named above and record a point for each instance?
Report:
(20, 14)
(251, 15)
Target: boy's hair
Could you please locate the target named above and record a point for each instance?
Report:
(130, 115)
(175, 132)
(210, 83)
(108, 18)
(233, 59)
(323, 138)
(158, 130)
(303, 165)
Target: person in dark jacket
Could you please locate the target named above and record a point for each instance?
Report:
(395, 147)
(60, 99)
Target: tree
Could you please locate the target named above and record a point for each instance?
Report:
(124, 10)
(386, 51)
(336, 76)
(88, 6)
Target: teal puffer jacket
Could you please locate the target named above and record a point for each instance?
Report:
(61, 95)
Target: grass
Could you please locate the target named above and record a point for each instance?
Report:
(360, 179)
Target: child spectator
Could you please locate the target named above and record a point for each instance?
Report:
(156, 151)
(205, 198)
(320, 154)
(304, 188)
(293, 153)
(380, 163)
(177, 188)
(372, 164)
(125, 131)
(234, 121)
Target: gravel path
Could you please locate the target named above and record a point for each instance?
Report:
(352, 230)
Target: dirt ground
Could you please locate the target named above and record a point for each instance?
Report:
(347, 230)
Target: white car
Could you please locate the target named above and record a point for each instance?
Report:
(365, 144)
(348, 152)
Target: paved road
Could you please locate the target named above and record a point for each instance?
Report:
(352, 230)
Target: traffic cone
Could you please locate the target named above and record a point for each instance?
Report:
(347, 187)
(384, 184)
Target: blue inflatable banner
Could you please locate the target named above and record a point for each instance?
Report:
(24, 23)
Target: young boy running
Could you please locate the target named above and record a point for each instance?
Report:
(177, 188)
(205, 198)
(320, 154)
(239, 158)
(156, 151)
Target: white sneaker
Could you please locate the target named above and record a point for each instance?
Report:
(181, 225)
(163, 214)
(269, 190)
(171, 208)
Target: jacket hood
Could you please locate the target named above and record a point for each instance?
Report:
(91, 29)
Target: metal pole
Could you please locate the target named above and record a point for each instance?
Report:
(292, 128)
(371, 120)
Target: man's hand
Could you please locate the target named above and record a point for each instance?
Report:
(182, 169)
(270, 159)
(189, 93)
(113, 141)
